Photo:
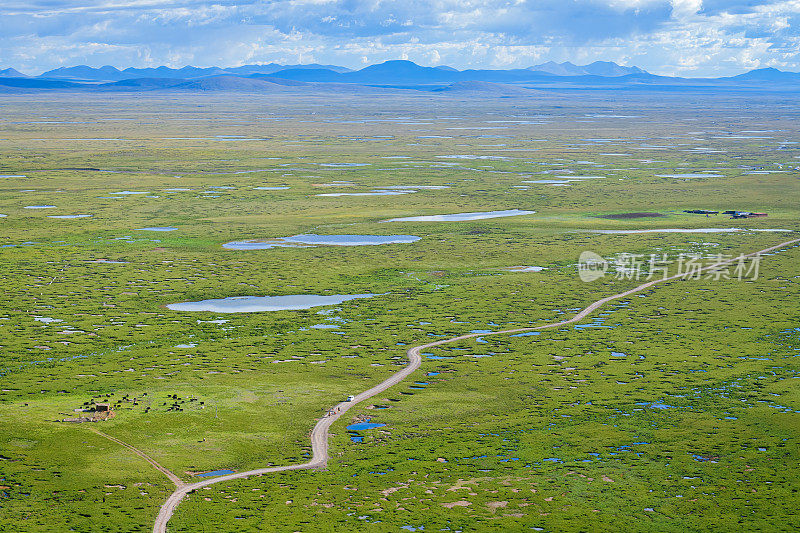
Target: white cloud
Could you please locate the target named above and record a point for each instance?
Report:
(688, 37)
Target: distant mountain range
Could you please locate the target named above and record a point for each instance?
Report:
(598, 68)
(83, 73)
(388, 75)
(768, 74)
(315, 72)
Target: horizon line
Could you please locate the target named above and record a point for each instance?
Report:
(258, 64)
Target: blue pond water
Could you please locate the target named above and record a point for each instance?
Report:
(215, 473)
(526, 334)
(656, 405)
(360, 426)
(254, 304)
(459, 217)
(311, 239)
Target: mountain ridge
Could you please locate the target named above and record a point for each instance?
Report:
(389, 75)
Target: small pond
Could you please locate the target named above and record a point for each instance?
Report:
(257, 304)
(463, 217)
(311, 239)
(216, 473)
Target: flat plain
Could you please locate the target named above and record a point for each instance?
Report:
(676, 409)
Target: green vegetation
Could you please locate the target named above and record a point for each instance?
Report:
(694, 428)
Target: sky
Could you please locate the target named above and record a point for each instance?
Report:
(667, 37)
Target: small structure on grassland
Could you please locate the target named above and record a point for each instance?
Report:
(100, 412)
(701, 212)
(732, 213)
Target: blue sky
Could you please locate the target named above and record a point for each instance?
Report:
(683, 37)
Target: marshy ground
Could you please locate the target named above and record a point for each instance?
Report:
(672, 410)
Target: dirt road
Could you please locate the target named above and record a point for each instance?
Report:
(319, 435)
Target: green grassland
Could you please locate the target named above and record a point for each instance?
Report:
(695, 428)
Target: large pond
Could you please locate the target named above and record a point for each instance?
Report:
(257, 304)
(311, 239)
(462, 217)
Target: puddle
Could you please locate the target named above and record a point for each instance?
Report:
(164, 228)
(216, 473)
(311, 239)
(524, 269)
(131, 192)
(69, 216)
(257, 304)
(371, 193)
(270, 188)
(47, 320)
(526, 334)
(462, 217)
(364, 425)
(656, 405)
(419, 187)
(39, 207)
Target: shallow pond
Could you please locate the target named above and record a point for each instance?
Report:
(462, 217)
(364, 425)
(311, 239)
(163, 228)
(522, 268)
(420, 187)
(257, 304)
(371, 193)
(216, 473)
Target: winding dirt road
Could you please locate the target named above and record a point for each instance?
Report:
(319, 435)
